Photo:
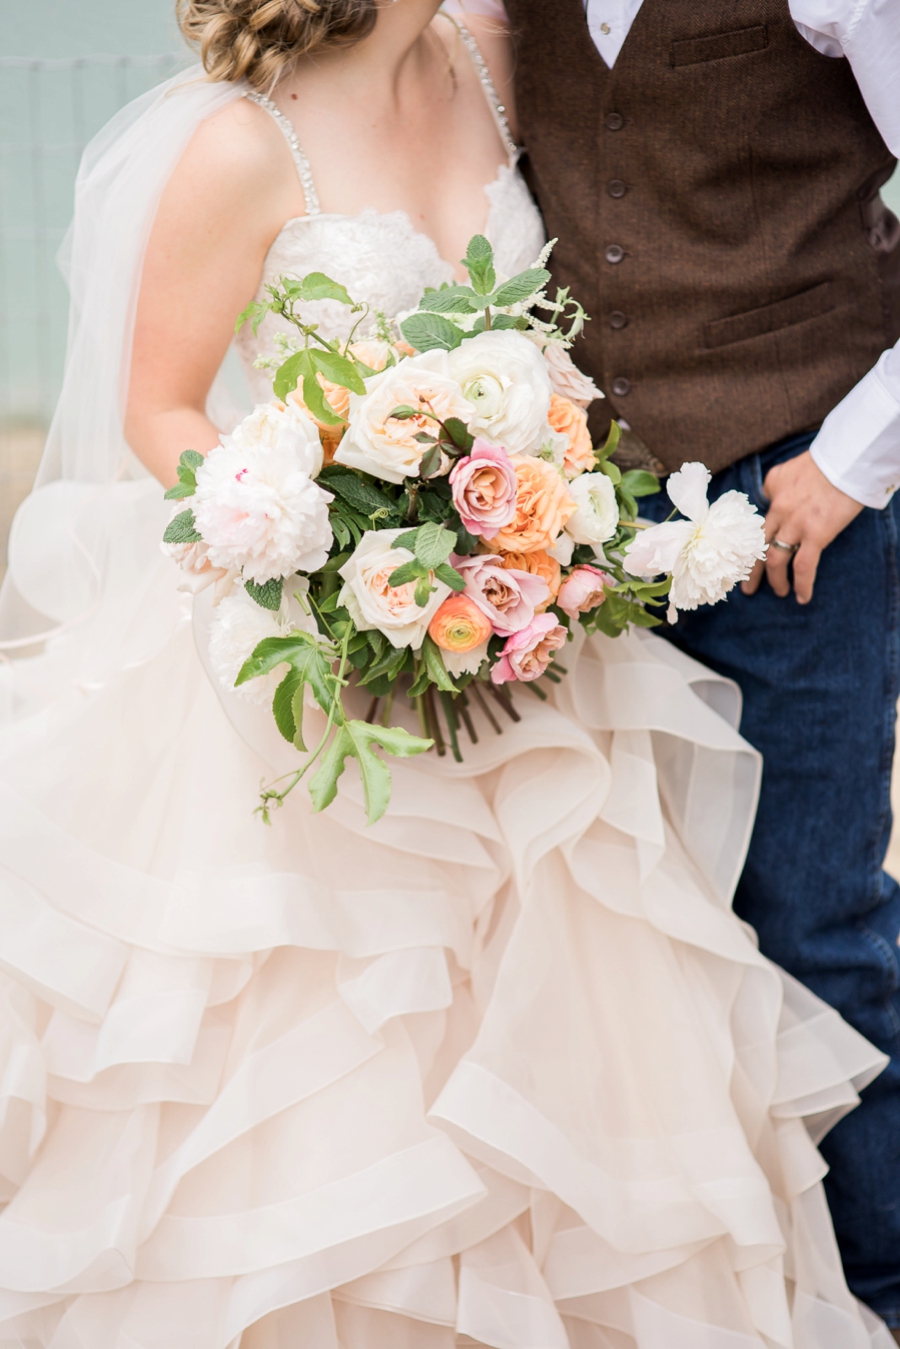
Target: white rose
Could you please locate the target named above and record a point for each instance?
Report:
(273, 425)
(256, 505)
(372, 603)
(239, 624)
(386, 446)
(709, 552)
(505, 379)
(597, 515)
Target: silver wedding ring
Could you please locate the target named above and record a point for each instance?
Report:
(786, 547)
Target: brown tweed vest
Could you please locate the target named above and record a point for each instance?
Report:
(715, 197)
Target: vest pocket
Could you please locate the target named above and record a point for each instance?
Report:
(691, 51)
(769, 318)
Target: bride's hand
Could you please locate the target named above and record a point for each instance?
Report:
(805, 509)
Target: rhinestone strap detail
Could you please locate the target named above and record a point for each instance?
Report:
(310, 196)
(484, 76)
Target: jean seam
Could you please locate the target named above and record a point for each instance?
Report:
(888, 960)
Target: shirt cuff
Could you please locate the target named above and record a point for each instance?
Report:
(858, 445)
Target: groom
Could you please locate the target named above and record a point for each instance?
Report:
(712, 169)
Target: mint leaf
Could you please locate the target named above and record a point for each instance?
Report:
(433, 544)
(361, 495)
(430, 332)
(406, 572)
(453, 300)
(181, 529)
(450, 576)
(423, 592)
(520, 287)
(479, 263)
(179, 491)
(268, 595)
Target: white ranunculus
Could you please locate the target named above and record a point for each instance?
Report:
(239, 624)
(271, 425)
(386, 446)
(597, 517)
(372, 603)
(256, 504)
(506, 381)
(708, 553)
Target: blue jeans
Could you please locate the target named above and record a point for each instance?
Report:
(820, 686)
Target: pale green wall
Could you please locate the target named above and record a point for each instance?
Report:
(56, 28)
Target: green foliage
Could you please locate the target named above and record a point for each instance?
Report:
(186, 486)
(181, 529)
(520, 288)
(358, 740)
(267, 596)
(479, 263)
(429, 332)
(311, 663)
(359, 492)
(304, 367)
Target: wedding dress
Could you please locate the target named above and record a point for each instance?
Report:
(502, 1070)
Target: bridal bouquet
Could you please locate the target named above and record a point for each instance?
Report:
(421, 511)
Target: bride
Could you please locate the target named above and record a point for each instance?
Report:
(501, 1070)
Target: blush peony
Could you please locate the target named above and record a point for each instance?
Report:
(239, 624)
(709, 552)
(373, 603)
(484, 489)
(527, 654)
(386, 446)
(504, 378)
(543, 506)
(582, 590)
(508, 598)
(256, 505)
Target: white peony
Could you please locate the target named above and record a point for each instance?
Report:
(709, 552)
(506, 381)
(597, 516)
(239, 624)
(256, 504)
(386, 446)
(372, 603)
(565, 377)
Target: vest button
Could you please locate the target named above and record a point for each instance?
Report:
(614, 253)
(614, 121)
(616, 188)
(620, 386)
(617, 319)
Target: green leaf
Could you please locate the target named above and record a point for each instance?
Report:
(450, 576)
(318, 286)
(459, 433)
(403, 412)
(479, 263)
(180, 490)
(311, 660)
(256, 311)
(336, 562)
(191, 459)
(337, 369)
(434, 664)
(357, 739)
(430, 462)
(520, 287)
(181, 529)
(423, 592)
(406, 572)
(314, 398)
(612, 441)
(612, 471)
(452, 300)
(267, 596)
(362, 495)
(433, 544)
(286, 715)
(323, 783)
(429, 332)
(407, 540)
(640, 483)
(289, 374)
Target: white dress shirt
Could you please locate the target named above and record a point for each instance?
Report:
(858, 446)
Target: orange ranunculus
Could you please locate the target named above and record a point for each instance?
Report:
(459, 625)
(539, 564)
(570, 421)
(543, 505)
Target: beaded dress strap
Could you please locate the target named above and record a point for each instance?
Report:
(487, 84)
(310, 196)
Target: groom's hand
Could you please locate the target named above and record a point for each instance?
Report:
(805, 509)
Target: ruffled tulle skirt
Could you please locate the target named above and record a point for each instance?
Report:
(502, 1070)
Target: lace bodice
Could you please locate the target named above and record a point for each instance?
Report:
(380, 257)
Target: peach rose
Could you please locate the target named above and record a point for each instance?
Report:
(459, 625)
(570, 421)
(539, 564)
(338, 399)
(543, 506)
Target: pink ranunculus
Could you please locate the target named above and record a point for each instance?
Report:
(484, 489)
(527, 654)
(506, 596)
(582, 590)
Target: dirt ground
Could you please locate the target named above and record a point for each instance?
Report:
(20, 450)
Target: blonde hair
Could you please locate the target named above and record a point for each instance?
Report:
(258, 40)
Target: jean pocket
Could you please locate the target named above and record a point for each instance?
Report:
(752, 482)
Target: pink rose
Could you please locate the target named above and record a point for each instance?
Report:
(484, 489)
(582, 590)
(506, 596)
(527, 654)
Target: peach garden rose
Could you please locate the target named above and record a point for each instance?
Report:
(570, 420)
(543, 507)
(541, 564)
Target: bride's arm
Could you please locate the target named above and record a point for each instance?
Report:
(224, 204)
